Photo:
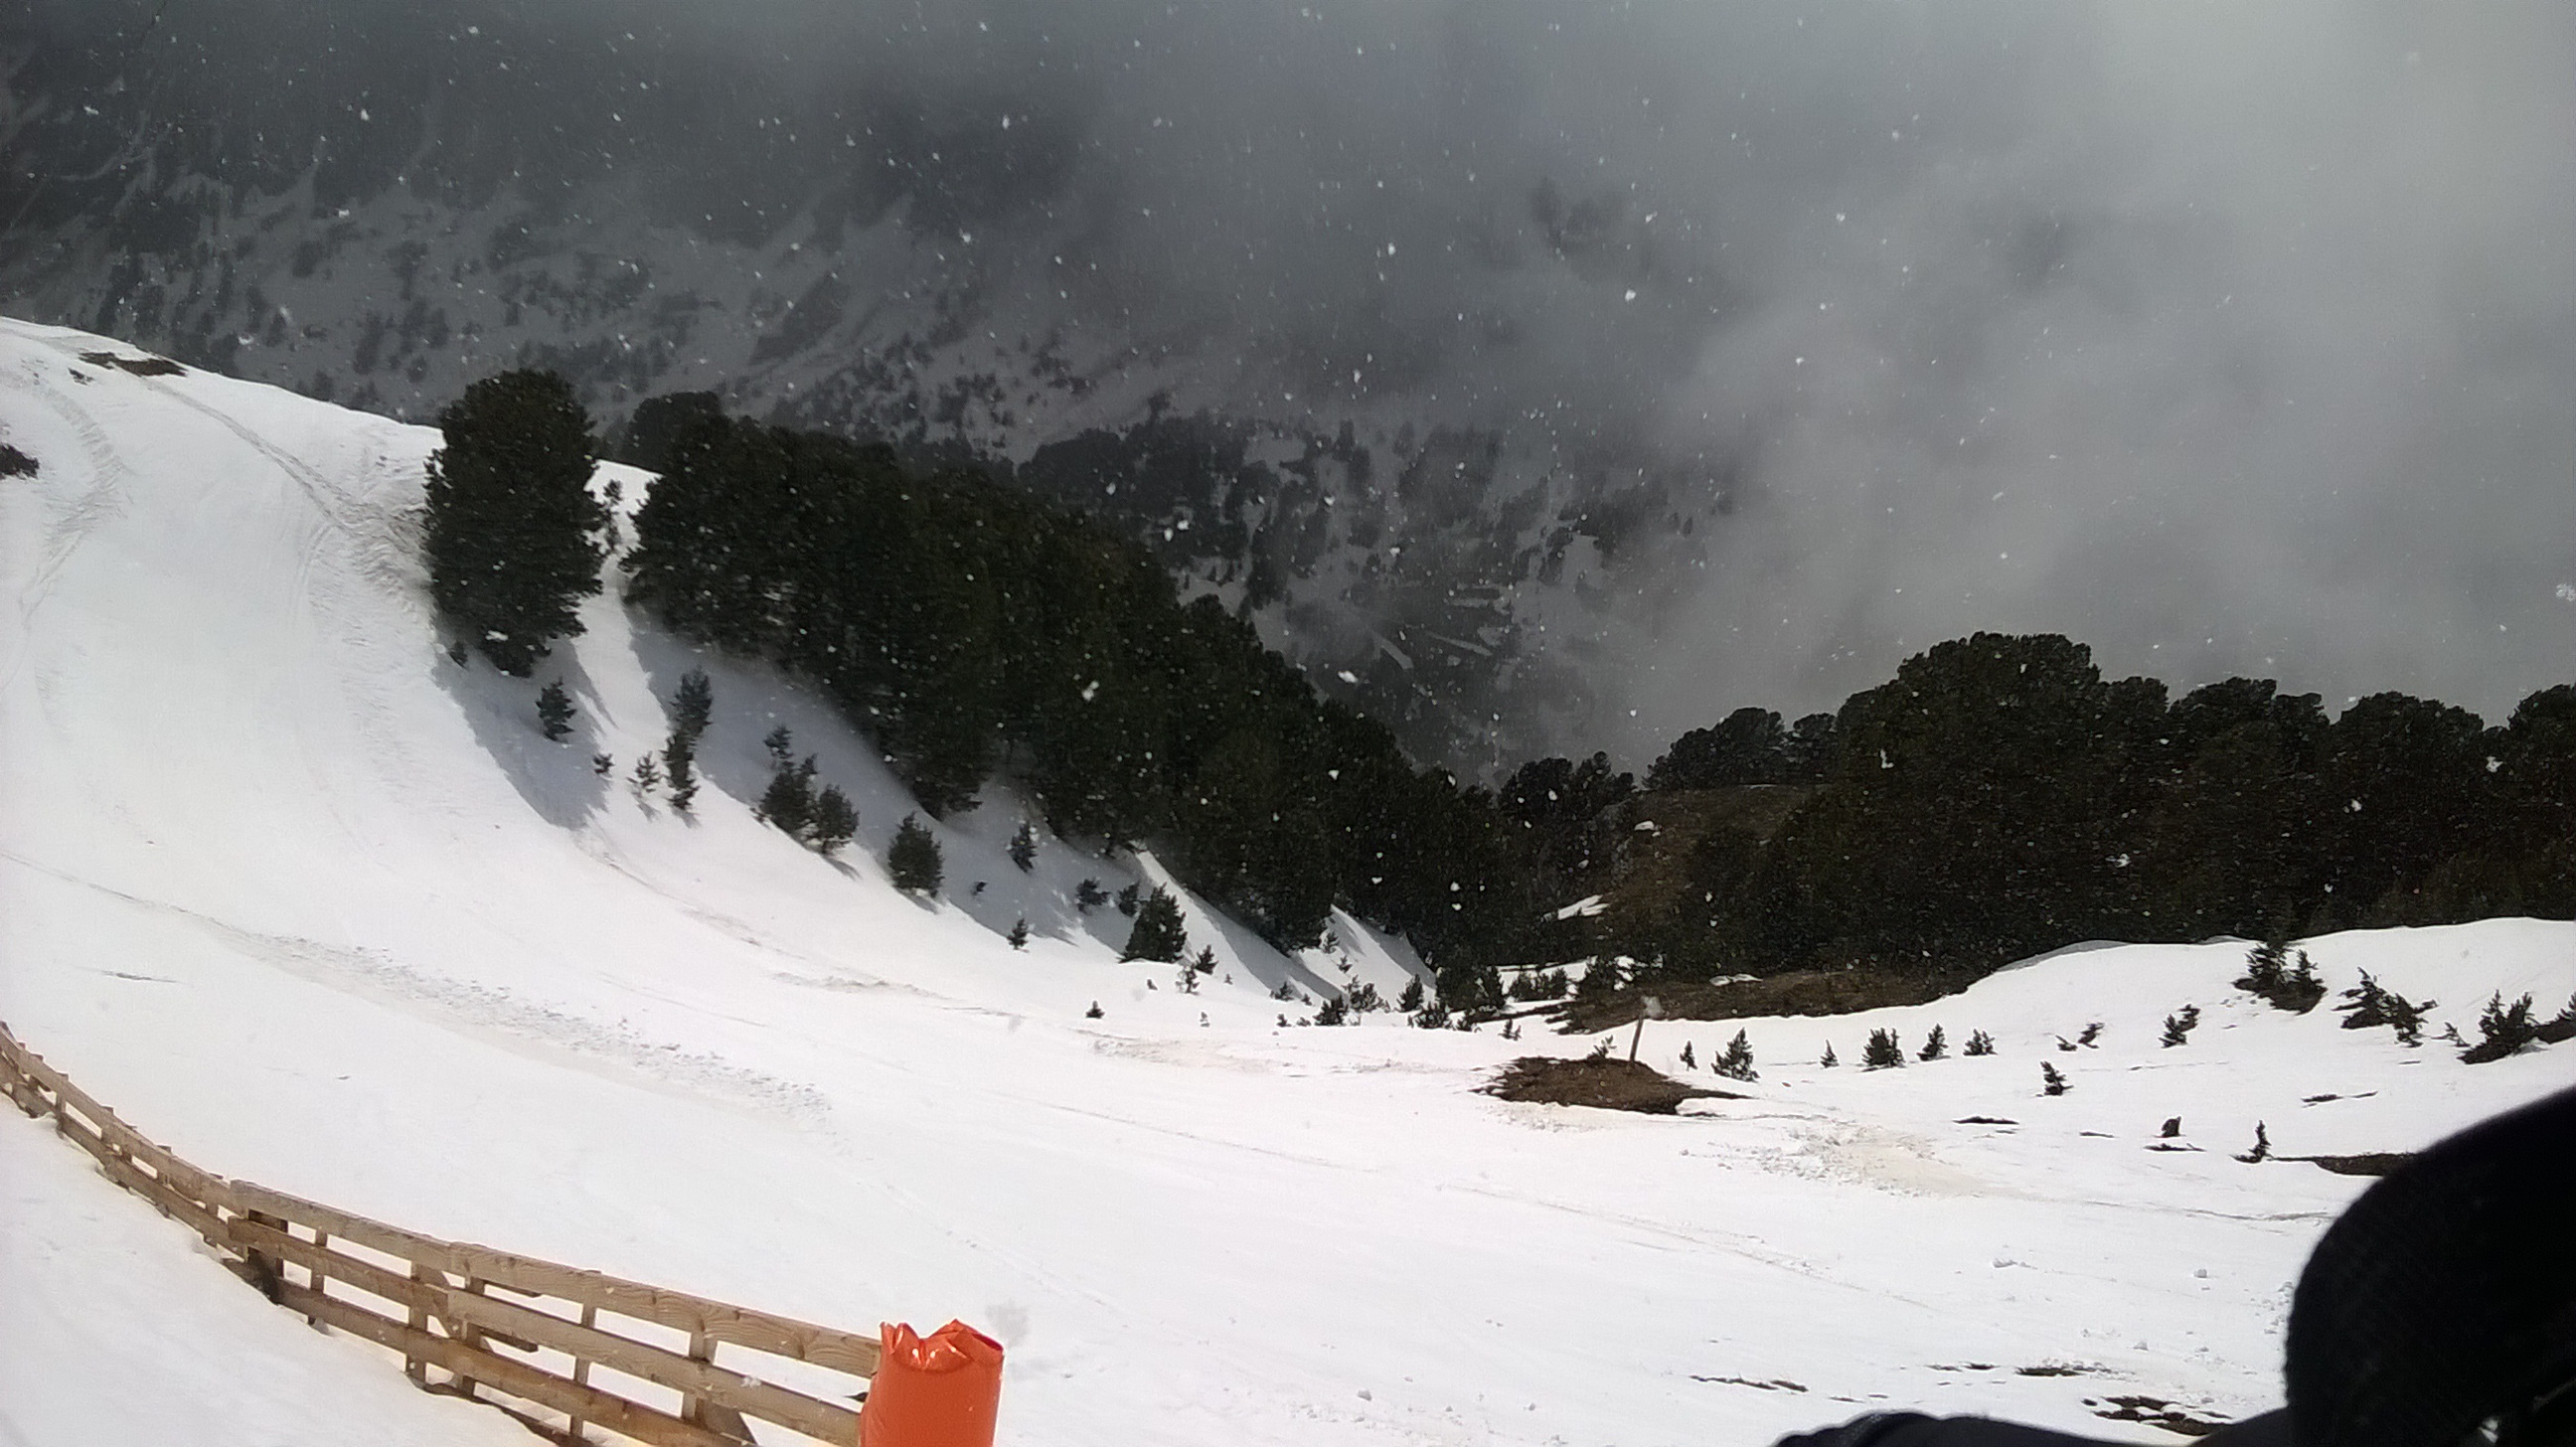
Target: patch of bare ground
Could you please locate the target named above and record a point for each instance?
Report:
(2155, 1412)
(1605, 1084)
(146, 365)
(1798, 992)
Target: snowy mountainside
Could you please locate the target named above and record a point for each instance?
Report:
(318, 907)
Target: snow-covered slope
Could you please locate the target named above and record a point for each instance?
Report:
(321, 908)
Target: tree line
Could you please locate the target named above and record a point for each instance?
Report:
(1996, 798)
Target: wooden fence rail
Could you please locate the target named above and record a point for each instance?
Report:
(530, 1337)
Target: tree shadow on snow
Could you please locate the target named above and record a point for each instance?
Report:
(555, 778)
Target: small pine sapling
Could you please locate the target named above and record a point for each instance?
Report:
(2301, 989)
(1087, 896)
(554, 711)
(914, 861)
(1094, 1012)
(1600, 1049)
(1935, 1045)
(691, 707)
(2262, 1150)
(1828, 1060)
(836, 820)
(2407, 1019)
(1331, 1012)
(1411, 999)
(781, 744)
(1737, 1061)
(2266, 965)
(1364, 997)
(2092, 1033)
(601, 764)
(1687, 1062)
(1287, 991)
(1432, 1016)
(1979, 1043)
(1185, 980)
(1204, 962)
(2364, 1005)
(2052, 1081)
(1883, 1052)
(1127, 901)
(1024, 848)
(648, 774)
(1019, 936)
(2502, 1030)
(2178, 1028)
(2065, 1044)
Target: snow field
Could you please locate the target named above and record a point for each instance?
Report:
(318, 907)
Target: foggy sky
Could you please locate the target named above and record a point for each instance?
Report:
(2227, 339)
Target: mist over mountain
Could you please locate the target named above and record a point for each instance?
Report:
(1544, 379)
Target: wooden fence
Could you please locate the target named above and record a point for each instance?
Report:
(561, 1349)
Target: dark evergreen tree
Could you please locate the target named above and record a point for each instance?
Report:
(1882, 1052)
(2052, 1081)
(914, 862)
(1827, 1060)
(1019, 935)
(554, 711)
(1737, 1061)
(2262, 1150)
(788, 802)
(648, 773)
(1332, 1012)
(658, 424)
(2091, 1035)
(1687, 1062)
(1024, 848)
(780, 743)
(600, 764)
(1748, 747)
(2502, 1030)
(1158, 934)
(691, 708)
(1410, 999)
(1127, 901)
(1094, 1012)
(1087, 896)
(1979, 1043)
(511, 534)
(835, 820)
(1935, 1045)
(2178, 1028)
(1204, 962)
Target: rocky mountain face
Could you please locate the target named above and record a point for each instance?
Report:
(1368, 422)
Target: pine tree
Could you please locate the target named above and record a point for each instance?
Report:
(1019, 934)
(1935, 1045)
(2178, 1028)
(648, 773)
(2266, 965)
(915, 862)
(2051, 1080)
(1827, 1060)
(554, 711)
(1087, 896)
(600, 764)
(788, 803)
(2502, 1030)
(1411, 999)
(1737, 1061)
(781, 744)
(1687, 1062)
(1204, 961)
(835, 820)
(1094, 1012)
(1024, 848)
(1127, 901)
(691, 707)
(1158, 934)
(2407, 1018)
(1980, 1043)
(1882, 1052)
(1332, 1012)
(2092, 1033)
(511, 528)
(2262, 1150)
